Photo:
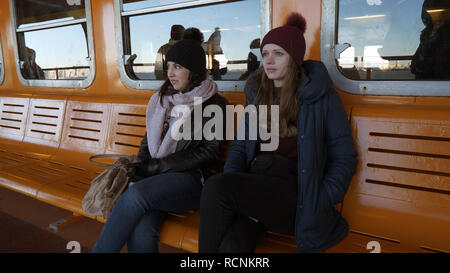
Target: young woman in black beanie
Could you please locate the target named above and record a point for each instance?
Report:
(170, 174)
(293, 189)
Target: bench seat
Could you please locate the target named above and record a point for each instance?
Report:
(45, 153)
(400, 193)
(398, 197)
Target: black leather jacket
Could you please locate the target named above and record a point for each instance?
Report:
(200, 158)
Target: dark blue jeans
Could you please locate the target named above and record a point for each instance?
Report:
(140, 210)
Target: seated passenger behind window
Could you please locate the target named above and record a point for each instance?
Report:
(170, 174)
(216, 71)
(212, 48)
(176, 33)
(432, 58)
(258, 189)
(30, 69)
(253, 59)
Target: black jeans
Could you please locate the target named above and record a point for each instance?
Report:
(228, 200)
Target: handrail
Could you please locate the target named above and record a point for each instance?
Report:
(229, 62)
(57, 69)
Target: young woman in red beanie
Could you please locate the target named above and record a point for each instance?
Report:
(170, 174)
(293, 189)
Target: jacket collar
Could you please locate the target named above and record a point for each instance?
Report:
(315, 82)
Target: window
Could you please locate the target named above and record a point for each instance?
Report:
(43, 57)
(388, 47)
(231, 30)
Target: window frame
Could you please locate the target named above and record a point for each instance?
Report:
(56, 83)
(2, 67)
(329, 31)
(229, 86)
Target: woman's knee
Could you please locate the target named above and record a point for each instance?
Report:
(242, 236)
(132, 196)
(218, 184)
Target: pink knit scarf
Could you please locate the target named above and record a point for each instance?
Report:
(157, 114)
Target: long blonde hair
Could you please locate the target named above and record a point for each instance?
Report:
(286, 98)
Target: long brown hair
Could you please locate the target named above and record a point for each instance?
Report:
(195, 79)
(286, 98)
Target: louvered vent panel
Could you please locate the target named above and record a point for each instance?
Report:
(13, 116)
(86, 125)
(127, 128)
(412, 160)
(45, 120)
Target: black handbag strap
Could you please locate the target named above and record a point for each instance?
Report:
(91, 159)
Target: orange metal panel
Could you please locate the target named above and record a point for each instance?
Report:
(44, 123)
(68, 192)
(11, 159)
(234, 98)
(26, 178)
(127, 128)
(311, 10)
(13, 117)
(172, 232)
(86, 126)
(400, 191)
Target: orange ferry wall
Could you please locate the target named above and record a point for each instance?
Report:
(107, 81)
(311, 11)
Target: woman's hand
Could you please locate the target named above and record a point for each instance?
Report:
(143, 169)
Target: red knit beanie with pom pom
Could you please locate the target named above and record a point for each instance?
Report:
(289, 37)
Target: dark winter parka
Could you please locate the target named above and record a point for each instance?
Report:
(327, 158)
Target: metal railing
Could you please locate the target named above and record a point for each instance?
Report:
(58, 69)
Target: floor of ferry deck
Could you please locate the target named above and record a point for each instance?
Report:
(24, 227)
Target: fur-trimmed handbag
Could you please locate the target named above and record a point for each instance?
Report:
(107, 187)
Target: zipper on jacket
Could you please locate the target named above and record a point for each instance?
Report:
(299, 167)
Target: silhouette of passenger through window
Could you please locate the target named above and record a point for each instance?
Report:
(213, 50)
(30, 69)
(253, 59)
(176, 33)
(432, 58)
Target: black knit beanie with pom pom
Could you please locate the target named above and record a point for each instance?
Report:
(189, 52)
(289, 37)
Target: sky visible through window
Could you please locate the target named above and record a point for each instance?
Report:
(393, 24)
(52, 51)
(239, 23)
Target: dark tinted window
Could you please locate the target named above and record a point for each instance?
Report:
(41, 12)
(395, 39)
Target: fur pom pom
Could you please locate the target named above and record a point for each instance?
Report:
(296, 20)
(193, 33)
